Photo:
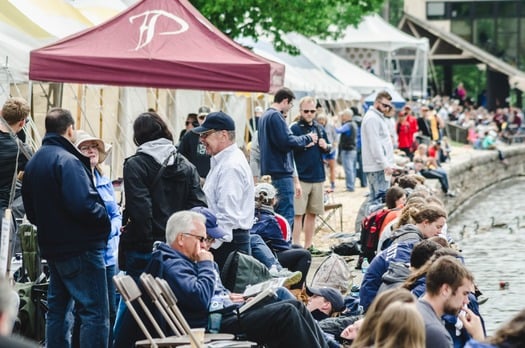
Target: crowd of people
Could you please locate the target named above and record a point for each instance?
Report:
(189, 206)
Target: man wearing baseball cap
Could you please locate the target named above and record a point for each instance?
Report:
(324, 302)
(229, 185)
(191, 148)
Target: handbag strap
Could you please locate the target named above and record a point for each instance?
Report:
(162, 168)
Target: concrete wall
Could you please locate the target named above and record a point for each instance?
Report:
(473, 171)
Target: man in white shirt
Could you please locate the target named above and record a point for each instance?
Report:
(376, 146)
(229, 186)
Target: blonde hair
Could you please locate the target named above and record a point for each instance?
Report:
(366, 335)
(400, 325)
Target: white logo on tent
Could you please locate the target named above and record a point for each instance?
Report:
(147, 28)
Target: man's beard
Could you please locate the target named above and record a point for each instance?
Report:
(448, 309)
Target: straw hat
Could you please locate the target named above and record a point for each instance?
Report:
(103, 148)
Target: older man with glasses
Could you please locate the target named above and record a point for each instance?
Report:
(377, 147)
(229, 185)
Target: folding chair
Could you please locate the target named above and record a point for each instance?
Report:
(130, 292)
(218, 340)
(330, 209)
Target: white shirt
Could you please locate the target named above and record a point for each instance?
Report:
(230, 191)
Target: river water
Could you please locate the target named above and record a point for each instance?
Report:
(495, 253)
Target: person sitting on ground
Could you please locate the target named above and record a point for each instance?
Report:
(429, 168)
(363, 332)
(324, 302)
(510, 335)
(188, 267)
(416, 283)
(400, 325)
(398, 272)
(489, 143)
(448, 285)
(429, 221)
(266, 226)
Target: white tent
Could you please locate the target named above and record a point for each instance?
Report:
(337, 67)
(374, 33)
(301, 75)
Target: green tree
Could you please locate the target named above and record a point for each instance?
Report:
(273, 18)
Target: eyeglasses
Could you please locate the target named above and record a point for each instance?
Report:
(209, 240)
(309, 111)
(388, 106)
(88, 147)
(201, 239)
(208, 133)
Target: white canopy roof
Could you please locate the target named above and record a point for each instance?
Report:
(375, 33)
(337, 67)
(301, 75)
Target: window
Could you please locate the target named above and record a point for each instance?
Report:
(435, 10)
(460, 9)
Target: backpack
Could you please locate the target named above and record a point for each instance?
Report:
(241, 270)
(370, 228)
(333, 272)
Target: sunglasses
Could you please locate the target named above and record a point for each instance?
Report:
(208, 133)
(309, 111)
(201, 239)
(388, 106)
(88, 147)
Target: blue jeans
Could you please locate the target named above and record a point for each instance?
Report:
(262, 252)
(359, 169)
(377, 183)
(81, 279)
(349, 159)
(285, 194)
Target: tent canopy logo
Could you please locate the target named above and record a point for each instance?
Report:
(147, 28)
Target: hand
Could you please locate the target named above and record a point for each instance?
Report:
(204, 255)
(236, 298)
(472, 323)
(298, 189)
(322, 144)
(389, 171)
(313, 136)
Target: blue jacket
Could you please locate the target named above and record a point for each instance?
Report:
(309, 160)
(276, 143)
(60, 198)
(106, 192)
(192, 282)
(475, 344)
(398, 252)
(268, 228)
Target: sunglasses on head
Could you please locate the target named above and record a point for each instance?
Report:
(309, 111)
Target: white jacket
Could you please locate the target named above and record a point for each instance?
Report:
(376, 143)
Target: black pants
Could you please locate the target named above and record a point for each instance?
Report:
(240, 241)
(296, 259)
(281, 324)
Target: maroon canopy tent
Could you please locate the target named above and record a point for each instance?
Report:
(156, 43)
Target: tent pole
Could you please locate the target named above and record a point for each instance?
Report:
(100, 113)
(80, 93)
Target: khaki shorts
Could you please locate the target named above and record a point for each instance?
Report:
(312, 199)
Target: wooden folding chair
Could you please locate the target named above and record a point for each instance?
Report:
(130, 292)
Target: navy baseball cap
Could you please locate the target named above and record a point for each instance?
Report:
(331, 295)
(212, 228)
(216, 121)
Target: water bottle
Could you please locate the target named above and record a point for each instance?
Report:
(364, 265)
(214, 320)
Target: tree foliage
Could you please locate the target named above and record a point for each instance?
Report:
(273, 18)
